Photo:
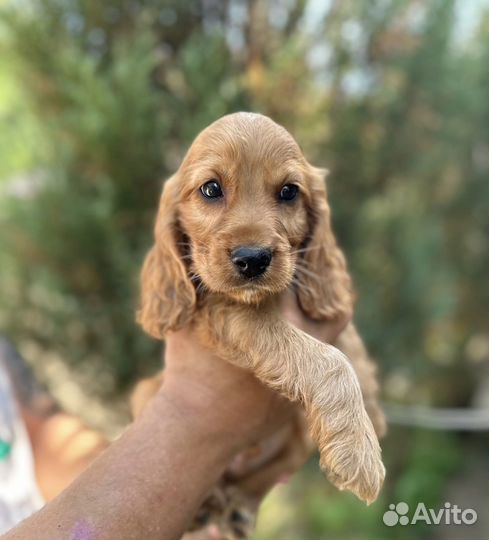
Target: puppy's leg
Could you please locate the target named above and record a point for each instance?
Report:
(303, 369)
(351, 344)
(227, 513)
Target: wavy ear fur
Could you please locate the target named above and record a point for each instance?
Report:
(326, 291)
(168, 297)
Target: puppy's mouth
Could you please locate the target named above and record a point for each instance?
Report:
(253, 283)
(247, 274)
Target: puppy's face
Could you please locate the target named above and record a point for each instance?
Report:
(245, 215)
(244, 206)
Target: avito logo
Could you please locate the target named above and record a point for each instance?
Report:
(449, 515)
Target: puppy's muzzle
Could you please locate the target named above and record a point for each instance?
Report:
(251, 261)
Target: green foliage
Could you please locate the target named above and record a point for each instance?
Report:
(107, 117)
(98, 102)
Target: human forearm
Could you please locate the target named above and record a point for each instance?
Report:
(147, 484)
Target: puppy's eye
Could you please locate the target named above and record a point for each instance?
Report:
(288, 192)
(211, 189)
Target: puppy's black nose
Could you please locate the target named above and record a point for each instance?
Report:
(251, 261)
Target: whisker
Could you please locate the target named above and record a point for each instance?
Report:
(303, 288)
(195, 278)
(306, 271)
(304, 250)
(302, 285)
(201, 288)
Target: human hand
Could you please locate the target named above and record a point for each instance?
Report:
(256, 421)
(229, 399)
(327, 332)
(233, 400)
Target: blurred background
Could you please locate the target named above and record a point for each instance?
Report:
(98, 103)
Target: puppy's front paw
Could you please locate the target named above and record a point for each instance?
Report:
(349, 448)
(353, 461)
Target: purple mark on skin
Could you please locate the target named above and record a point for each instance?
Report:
(82, 531)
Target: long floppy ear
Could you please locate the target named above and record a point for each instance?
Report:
(168, 297)
(326, 291)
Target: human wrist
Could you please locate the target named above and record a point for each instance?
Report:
(196, 410)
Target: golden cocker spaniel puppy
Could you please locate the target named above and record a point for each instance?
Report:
(243, 219)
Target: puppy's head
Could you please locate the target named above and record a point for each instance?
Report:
(245, 216)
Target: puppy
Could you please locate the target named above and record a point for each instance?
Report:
(243, 219)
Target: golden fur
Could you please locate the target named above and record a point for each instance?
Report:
(188, 278)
